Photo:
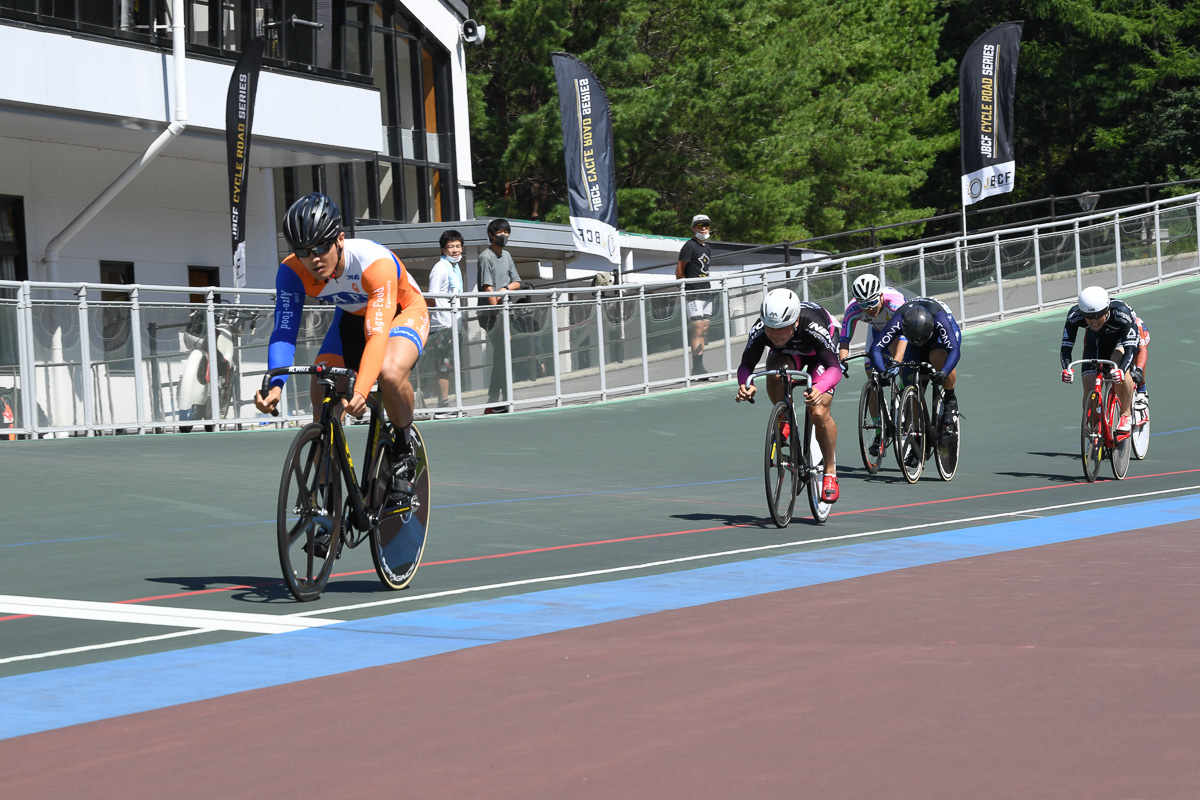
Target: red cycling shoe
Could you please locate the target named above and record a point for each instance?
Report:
(829, 489)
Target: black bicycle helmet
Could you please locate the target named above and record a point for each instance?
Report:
(312, 220)
(917, 324)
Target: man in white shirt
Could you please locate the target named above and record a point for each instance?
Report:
(445, 278)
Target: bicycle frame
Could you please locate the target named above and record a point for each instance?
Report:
(362, 519)
(1104, 387)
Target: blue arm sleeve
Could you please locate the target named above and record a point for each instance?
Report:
(877, 351)
(289, 303)
(950, 340)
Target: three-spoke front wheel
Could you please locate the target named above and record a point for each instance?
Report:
(781, 465)
(309, 515)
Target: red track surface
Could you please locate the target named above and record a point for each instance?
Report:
(1070, 670)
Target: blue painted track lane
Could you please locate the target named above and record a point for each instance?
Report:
(58, 698)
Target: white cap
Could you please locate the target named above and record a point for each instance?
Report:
(696, 220)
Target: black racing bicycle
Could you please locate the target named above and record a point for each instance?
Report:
(876, 429)
(313, 520)
(792, 457)
(923, 428)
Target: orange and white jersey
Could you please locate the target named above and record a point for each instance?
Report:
(374, 285)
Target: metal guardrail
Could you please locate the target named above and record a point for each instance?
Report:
(72, 364)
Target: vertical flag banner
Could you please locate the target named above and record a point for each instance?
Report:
(588, 153)
(239, 119)
(987, 88)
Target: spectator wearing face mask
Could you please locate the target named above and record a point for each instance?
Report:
(445, 278)
(497, 273)
(694, 258)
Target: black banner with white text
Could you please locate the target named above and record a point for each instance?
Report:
(987, 86)
(239, 119)
(590, 160)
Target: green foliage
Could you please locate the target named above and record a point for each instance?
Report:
(784, 119)
(780, 119)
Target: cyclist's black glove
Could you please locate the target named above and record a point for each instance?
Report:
(893, 369)
(1138, 376)
(939, 378)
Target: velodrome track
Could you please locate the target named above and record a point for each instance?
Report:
(603, 609)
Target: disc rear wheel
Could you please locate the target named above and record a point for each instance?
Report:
(1140, 439)
(398, 538)
(946, 435)
(814, 462)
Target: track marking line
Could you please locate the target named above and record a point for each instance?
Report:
(105, 645)
(237, 621)
(295, 619)
(739, 551)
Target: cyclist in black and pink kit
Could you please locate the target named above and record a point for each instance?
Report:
(800, 336)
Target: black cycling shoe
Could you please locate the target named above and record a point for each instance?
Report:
(320, 545)
(404, 469)
(876, 447)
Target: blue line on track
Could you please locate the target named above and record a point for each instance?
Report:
(52, 699)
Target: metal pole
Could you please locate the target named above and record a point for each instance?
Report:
(1078, 260)
(85, 361)
(645, 340)
(139, 378)
(1037, 266)
(1158, 241)
(962, 296)
(1117, 238)
(455, 322)
(554, 347)
(214, 370)
(600, 344)
(999, 275)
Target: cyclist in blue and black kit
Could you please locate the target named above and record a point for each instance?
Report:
(1112, 333)
(933, 337)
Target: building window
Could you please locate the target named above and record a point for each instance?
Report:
(13, 266)
(204, 277)
(413, 180)
(116, 322)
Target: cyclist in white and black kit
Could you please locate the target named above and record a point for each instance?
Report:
(800, 335)
(1112, 333)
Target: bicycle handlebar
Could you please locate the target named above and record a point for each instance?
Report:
(1098, 363)
(794, 375)
(311, 369)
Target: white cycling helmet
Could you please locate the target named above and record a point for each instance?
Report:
(1093, 300)
(866, 290)
(780, 308)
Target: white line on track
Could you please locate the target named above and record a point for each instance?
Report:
(156, 615)
(295, 621)
(741, 551)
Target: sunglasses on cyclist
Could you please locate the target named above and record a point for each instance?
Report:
(317, 250)
(1097, 315)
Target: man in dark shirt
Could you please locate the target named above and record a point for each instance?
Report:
(694, 257)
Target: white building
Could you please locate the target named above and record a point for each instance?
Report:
(370, 108)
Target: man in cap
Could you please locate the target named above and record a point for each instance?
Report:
(694, 258)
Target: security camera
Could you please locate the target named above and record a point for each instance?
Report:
(473, 32)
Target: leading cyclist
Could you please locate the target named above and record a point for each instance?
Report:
(1112, 333)
(379, 327)
(800, 335)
